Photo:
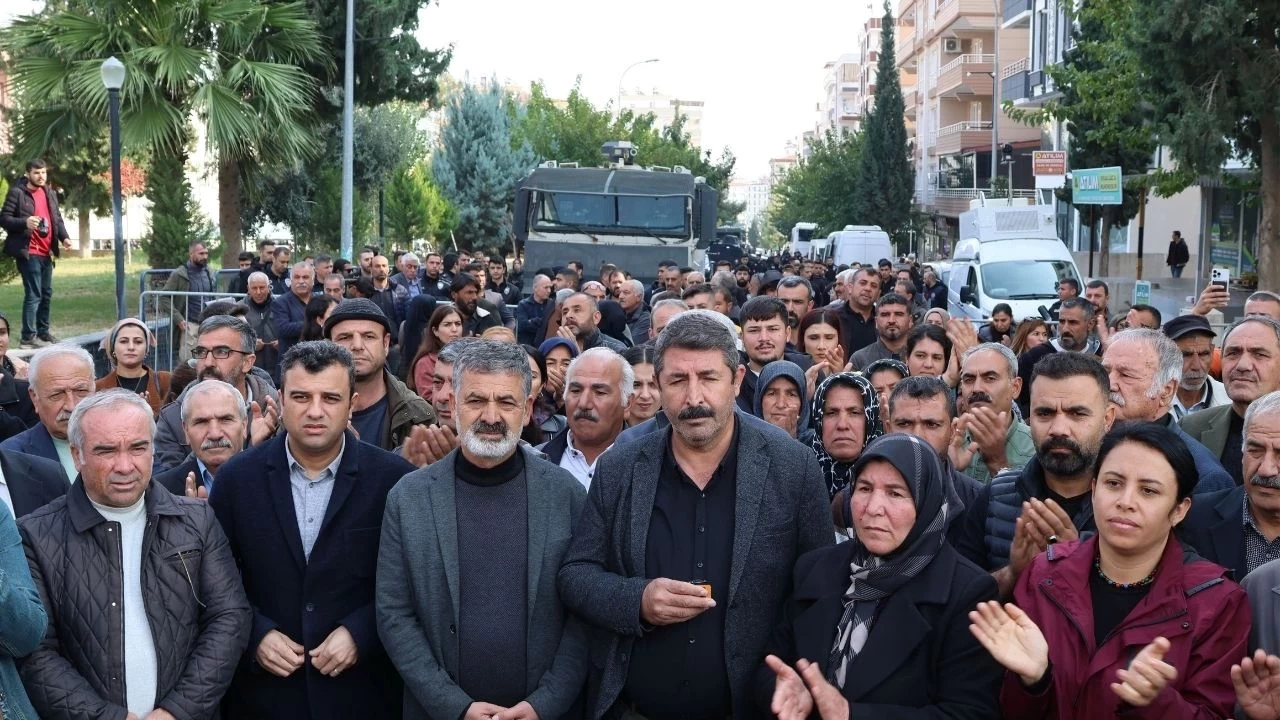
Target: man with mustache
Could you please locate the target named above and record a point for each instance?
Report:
(1021, 512)
(61, 376)
(683, 554)
(1250, 369)
(223, 351)
(215, 424)
(1239, 528)
(1197, 390)
(989, 436)
(477, 313)
(467, 604)
(1144, 367)
(1076, 328)
(861, 291)
(764, 339)
(303, 515)
(597, 389)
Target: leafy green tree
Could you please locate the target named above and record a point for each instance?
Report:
(415, 209)
(885, 177)
(821, 188)
(478, 164)
(1211, 79)
(176, 220)
(232, 63)
(753, 232)
(1102, 104)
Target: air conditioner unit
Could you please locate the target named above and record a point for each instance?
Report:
(951, 45)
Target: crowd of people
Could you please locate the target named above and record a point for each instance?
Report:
(408, 487)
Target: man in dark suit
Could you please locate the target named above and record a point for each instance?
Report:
(467, 601)
(683, 555)
(1239, 528)
(28, 483)
(1250, 369)
(215, 424)
(303, 513)
(61, 376)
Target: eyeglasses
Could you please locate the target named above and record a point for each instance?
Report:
(222, 352)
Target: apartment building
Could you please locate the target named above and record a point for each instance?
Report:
(665, 108)
(754, 194)
(841, 107)
(869, 58)
(948, 63)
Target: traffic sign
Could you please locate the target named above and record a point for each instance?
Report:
(1097, 186)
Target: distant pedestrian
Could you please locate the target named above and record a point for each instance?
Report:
(1179, 254)
(36, 236)
(192, 276)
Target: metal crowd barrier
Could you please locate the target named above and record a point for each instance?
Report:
(155, 279)
(156, 308)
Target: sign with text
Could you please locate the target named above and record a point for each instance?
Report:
(1049, 162)
(1142, 292)
(1097, 186)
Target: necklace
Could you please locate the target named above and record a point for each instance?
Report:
(1097, 566)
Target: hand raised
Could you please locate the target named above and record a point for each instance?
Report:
(1012, 639)
(1257, 684)
(1146, 676)
(791, 698)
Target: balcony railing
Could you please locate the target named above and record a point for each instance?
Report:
(1014, 83)
(1015, 68)
(973, 194)
(966, 59)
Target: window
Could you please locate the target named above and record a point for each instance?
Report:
(1024, 279)
(663, 215)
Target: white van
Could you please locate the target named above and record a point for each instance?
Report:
(865, 244)
(1007, 255)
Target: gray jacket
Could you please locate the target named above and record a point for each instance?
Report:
(1263, 587)
(417, 590)
(782, 512)
(171, 446)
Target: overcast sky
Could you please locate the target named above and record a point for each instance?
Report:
(759, 70)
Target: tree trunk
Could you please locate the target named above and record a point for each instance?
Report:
(1268, 254)
(83, 216)
(229, 210)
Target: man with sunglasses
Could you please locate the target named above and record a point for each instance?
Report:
(223, 351)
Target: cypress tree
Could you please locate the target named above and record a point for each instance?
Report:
(886, 179)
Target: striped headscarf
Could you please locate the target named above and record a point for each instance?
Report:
(838, 473)
(875, 577)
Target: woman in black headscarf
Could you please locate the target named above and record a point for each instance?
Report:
(838, 436)
(879, 624)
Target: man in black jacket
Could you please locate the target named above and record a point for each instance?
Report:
(147, 614)
(36, 235)
(29, 482)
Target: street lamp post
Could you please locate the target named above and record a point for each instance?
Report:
(995, 88)
(618, 109)
(113, 78)
(348, 140)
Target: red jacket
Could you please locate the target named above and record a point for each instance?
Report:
(1204, 616)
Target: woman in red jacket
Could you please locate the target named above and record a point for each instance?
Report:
(1126, 623)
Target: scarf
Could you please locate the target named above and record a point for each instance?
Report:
(835, 472)
(873, 578)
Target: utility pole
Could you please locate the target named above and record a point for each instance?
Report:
(348, 131)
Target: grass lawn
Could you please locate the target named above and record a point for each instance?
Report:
(84, 296)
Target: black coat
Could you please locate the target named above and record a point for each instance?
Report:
(306, 599)
(175, 479)
(20, 205)
(33, 481)
(1215, 528)
(920, 653)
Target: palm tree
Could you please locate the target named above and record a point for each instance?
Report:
(234, 65)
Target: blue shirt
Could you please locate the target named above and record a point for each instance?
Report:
(311, 495)
(370, 422)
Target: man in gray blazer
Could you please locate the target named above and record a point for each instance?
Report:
(683, 555)
(467, 605)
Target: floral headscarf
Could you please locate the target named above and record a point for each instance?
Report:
(838, 473)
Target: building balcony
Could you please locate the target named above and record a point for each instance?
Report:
(910, 97)
(1013, 82)
(1040, 90)
(952, 139)
(966, 75)
(962, 15)
(953, 201)
(1017, 14)
(905, 46)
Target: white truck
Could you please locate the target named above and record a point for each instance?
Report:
(865, 244)
(802, 238)
(1007, 253)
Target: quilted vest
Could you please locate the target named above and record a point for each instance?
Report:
(1009, 490)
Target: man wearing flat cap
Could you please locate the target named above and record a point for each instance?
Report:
(384, 410)
(1197, 390)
